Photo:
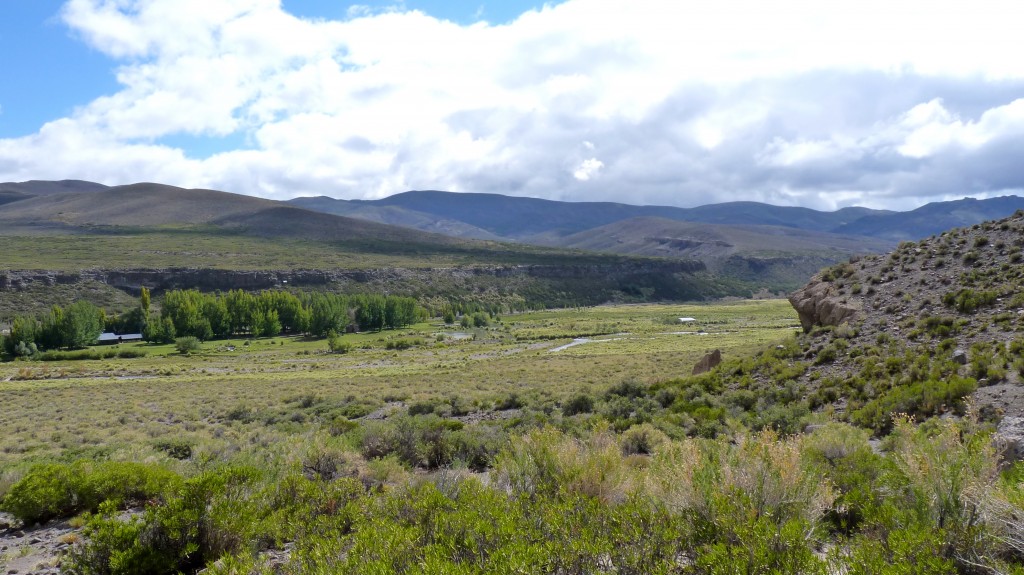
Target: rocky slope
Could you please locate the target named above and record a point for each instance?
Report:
(926, 330)
(933, 329)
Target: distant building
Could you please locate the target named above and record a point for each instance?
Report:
(107, 338)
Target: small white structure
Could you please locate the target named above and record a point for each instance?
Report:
(686, 319)
(107, 338)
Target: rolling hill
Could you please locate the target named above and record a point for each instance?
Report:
(743, 243)
(154, 206)
(933, 218)
(164, 237)
(533, 220)
(528, 219)
(47, 187)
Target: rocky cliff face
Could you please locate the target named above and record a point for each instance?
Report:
(131, 280)
(30, 291)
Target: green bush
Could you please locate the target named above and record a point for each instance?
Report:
(754, 506)
(421, 408)
(336, 345)
(507, 402)
(59, 490)
(177, 448)
(579, 403)
(201, 519)
(922, 399)
(187, 344)
(426, 441)
(967, 300)
(402, 343)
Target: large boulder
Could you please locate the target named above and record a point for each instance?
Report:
(819, 304)
(708, 362)
(1009, 439)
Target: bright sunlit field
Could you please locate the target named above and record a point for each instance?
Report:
(237, 392)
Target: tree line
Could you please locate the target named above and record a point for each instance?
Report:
(77, 325)
(217, 315)
(271, 312)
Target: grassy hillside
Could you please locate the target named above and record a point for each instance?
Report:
(151, 225)
(160, 235)
(394, 215)
(46, 187)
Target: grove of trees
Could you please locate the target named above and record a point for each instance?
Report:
(191, 313)
(271, 312)
(77, 325)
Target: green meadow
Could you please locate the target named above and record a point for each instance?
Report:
(241, 390)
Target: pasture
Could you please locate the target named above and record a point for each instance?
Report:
(234, 395)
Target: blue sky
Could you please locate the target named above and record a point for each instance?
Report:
(48, 71)
(791, 102)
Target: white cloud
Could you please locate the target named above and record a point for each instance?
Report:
(689, 102)
(587, 169)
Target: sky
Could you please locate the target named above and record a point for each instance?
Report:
(823, 104)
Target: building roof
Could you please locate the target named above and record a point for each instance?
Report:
(107, 337)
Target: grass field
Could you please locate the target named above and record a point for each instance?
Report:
(235, 394)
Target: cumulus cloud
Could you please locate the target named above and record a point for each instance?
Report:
(685, 103)
(587, 169)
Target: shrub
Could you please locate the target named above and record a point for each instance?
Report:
(186, 345)
(579, 403)
(642, 439)
(921, 399)
(60, 490)
(421, 408)
(510, 401)
(203, 518)
(402, 344)
(336, 345)
(177, 448)
(626, 388)
(952, 473)
(967, 300)
(754, 506)
(426, 441)
(546, 462)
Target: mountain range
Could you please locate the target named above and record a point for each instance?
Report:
(533, 220)
(775, 247)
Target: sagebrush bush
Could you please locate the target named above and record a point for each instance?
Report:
(952, 474)
(754, 505)
(546, 462)
(60, 490)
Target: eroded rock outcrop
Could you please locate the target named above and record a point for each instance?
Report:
(708, 362)
(819, 303)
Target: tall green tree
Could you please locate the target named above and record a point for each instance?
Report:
(241, 306)
(144, 300)
(23, 330)
(83, 323)
(370, 311)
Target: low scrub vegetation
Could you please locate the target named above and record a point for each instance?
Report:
(561, 502)
(529, 444)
